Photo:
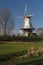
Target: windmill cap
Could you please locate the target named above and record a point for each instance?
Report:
(28, 16)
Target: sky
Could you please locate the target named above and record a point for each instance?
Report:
(35, 7)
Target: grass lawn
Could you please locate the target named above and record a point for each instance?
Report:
(6, 47)
(11, 47)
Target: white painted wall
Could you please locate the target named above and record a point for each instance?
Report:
(27, 23)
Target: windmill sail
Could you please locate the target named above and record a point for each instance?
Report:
(25, 10)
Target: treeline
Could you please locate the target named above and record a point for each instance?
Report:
(21, 38)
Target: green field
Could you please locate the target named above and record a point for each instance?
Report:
(14, 47)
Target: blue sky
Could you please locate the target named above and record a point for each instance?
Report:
(17, 7)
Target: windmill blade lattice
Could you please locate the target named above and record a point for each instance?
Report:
(25, 10)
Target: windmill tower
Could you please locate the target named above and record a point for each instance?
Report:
(27, 29)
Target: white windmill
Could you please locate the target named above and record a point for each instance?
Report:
(27, 29)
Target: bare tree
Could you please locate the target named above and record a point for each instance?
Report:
(6, 21)
(39, 31)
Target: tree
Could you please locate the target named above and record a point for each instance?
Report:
(39, 31)
(6, 21)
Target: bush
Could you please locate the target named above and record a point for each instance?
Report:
(21, 38)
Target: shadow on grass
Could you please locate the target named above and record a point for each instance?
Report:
(11, 55)
(32, 62)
